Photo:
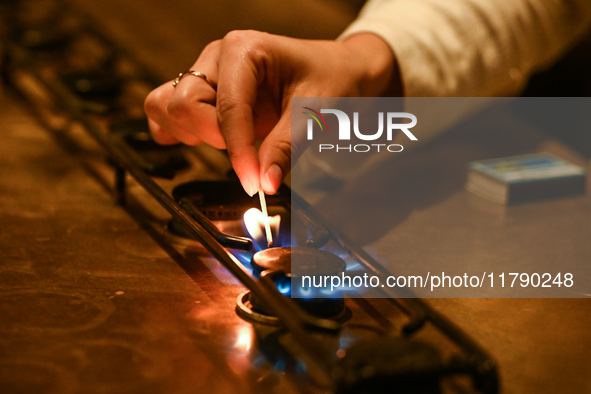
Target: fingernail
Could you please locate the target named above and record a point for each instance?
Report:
(273, 176)
(249, 187)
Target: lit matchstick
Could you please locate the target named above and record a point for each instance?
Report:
(266, 219)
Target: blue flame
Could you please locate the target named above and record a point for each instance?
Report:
(305, 292)
(329, 292)
(301, 368)
(284, 288)
(279, 366)
(244, 258)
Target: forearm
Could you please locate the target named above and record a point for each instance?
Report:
(381, 76)
(472, 47)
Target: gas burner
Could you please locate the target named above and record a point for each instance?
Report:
(222, 202)
(386, 365)
(94, 84)
(98, 91)
(218, 200)
(137, 135)
(220, 207)
(42, 38)
(158, 160)
(277, 262)
(39, 28)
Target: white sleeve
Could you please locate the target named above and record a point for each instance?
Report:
(473, 48)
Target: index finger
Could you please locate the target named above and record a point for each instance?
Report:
(241, 70)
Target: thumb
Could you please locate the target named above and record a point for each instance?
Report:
(279, 151)
(275, 154)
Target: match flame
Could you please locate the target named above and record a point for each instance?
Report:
(254, 221)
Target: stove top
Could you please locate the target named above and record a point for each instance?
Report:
(131, 320)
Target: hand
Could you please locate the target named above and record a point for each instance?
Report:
(252, 76)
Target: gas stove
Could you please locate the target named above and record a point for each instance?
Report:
(88, 92)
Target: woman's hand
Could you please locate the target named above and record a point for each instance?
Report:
(252, 76)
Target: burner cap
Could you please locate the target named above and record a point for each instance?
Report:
(385, 365)
(309, 261)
